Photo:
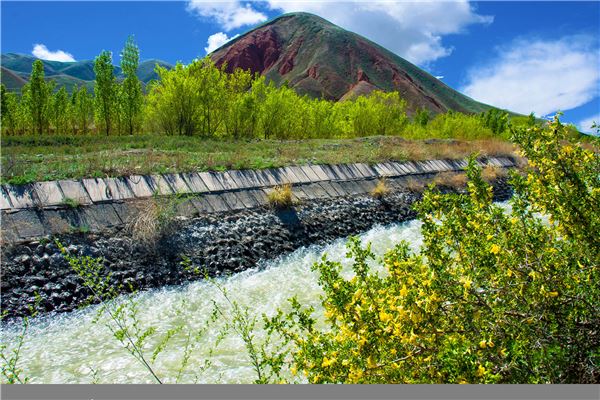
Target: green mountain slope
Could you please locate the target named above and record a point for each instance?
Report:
(11, 80)
(16, 69)
(318, 58)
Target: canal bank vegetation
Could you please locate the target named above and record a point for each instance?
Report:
(27, 159)
(492, 296)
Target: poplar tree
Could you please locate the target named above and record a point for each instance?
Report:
(9, 108)
(4, 108)
(83, 109)
(104, 90)
(72, 110)
(60, 110)
(131, 91)
(37, 97)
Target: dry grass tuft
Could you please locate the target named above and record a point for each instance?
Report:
(380, 190)
(490, 173)
(452, 179)
(415, 185)
(153, 220)
(144, 226)
(281, 196)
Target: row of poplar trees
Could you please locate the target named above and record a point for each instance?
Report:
(114, 107)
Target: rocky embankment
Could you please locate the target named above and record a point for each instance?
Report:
(218, 243)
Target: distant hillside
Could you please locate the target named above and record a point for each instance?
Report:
(11, 80)
(16, 69)
(320, 59)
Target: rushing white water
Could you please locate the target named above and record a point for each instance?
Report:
(66, 348)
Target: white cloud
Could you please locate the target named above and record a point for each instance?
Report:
(413, 30)
(586, 124)
(440, 77)
(229, 14)
(217, 40)
(539, 76)
(42, 52)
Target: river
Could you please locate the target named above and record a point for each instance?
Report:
(71, 348)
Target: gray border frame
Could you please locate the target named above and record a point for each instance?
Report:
(259, 392)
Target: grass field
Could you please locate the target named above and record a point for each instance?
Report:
(29, 158)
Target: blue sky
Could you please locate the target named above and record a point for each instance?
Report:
(524, 56)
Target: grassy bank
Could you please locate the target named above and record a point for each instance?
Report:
(30, 158)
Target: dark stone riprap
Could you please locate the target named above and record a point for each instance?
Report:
(217, 242)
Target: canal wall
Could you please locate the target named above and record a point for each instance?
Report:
(220, 222)
(97, 205)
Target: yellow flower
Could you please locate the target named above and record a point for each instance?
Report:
(552, 294)
(495, 249)
(327, 362)
(384, 317)
(532, 275)
(480, 371)
(483, 344)
(294, 370)
(403, 291)
(490, 343)
(466, 282)
(355, 374)
(371, 362)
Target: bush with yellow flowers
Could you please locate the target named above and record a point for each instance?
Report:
(493, 296)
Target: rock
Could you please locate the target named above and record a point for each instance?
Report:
(39, 250)
(51, 287)
(51, 248)
(24, 259)
(24, 250)
(57, 261)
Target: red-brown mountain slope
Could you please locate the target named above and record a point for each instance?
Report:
(321, 59)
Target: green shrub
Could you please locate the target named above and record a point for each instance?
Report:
(491, 297)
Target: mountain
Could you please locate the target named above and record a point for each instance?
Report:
(16, 69)
(320, 59)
